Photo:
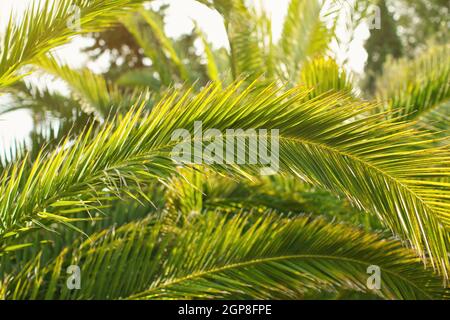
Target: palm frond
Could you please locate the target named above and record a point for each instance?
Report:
(242, 23)
(246, 55)
(184, 196)
(418, 88)
(45, 25)
(96, 95)
(49, 244)
(324, 75)
(147, 29)
(211, 64)
(55, 117)
(39, 99)
(305, 35)
(325, 141)
(244, 257)
(165, 43)
(281, 193)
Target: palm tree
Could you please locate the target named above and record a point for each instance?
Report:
(105, 194)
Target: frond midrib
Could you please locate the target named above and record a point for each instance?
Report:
(301, 140)
(251, 262)
(353, 157)
(361, 161)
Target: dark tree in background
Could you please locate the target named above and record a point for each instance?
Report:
(421, 21)
(381, 43)
(406, 27)
(126, 54)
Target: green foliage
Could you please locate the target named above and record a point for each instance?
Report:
(95, 94)
(421, 22)
(383, 42)
(304, 35)
(98, 187)
(244, 257)
(324, 75)
(418, 88)
(46, 25)
(319, 143)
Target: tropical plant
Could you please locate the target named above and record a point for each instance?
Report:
(361, 183)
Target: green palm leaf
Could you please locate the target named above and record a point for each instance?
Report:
(97, 96)
(148, 30)
(325, 141)
(305, 35)
(324, 75)
(244, 257)
(45, 25)
(242, 24)
(418, 88)
(211, 64)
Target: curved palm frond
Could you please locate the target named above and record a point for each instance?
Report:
(325, 141)
(184, 195)
(304, 35)
(55, 117)
(39, 99)
(247, 57)
(324, 75)
(211, 65)
(96, 95)
(244, 257)
(418, 88)
(243, 26)
(147, 29)
(165, 44)
(278, 193)
(45, 25)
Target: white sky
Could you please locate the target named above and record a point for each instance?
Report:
(16, 125)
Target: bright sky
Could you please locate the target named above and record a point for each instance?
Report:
(16, 125)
